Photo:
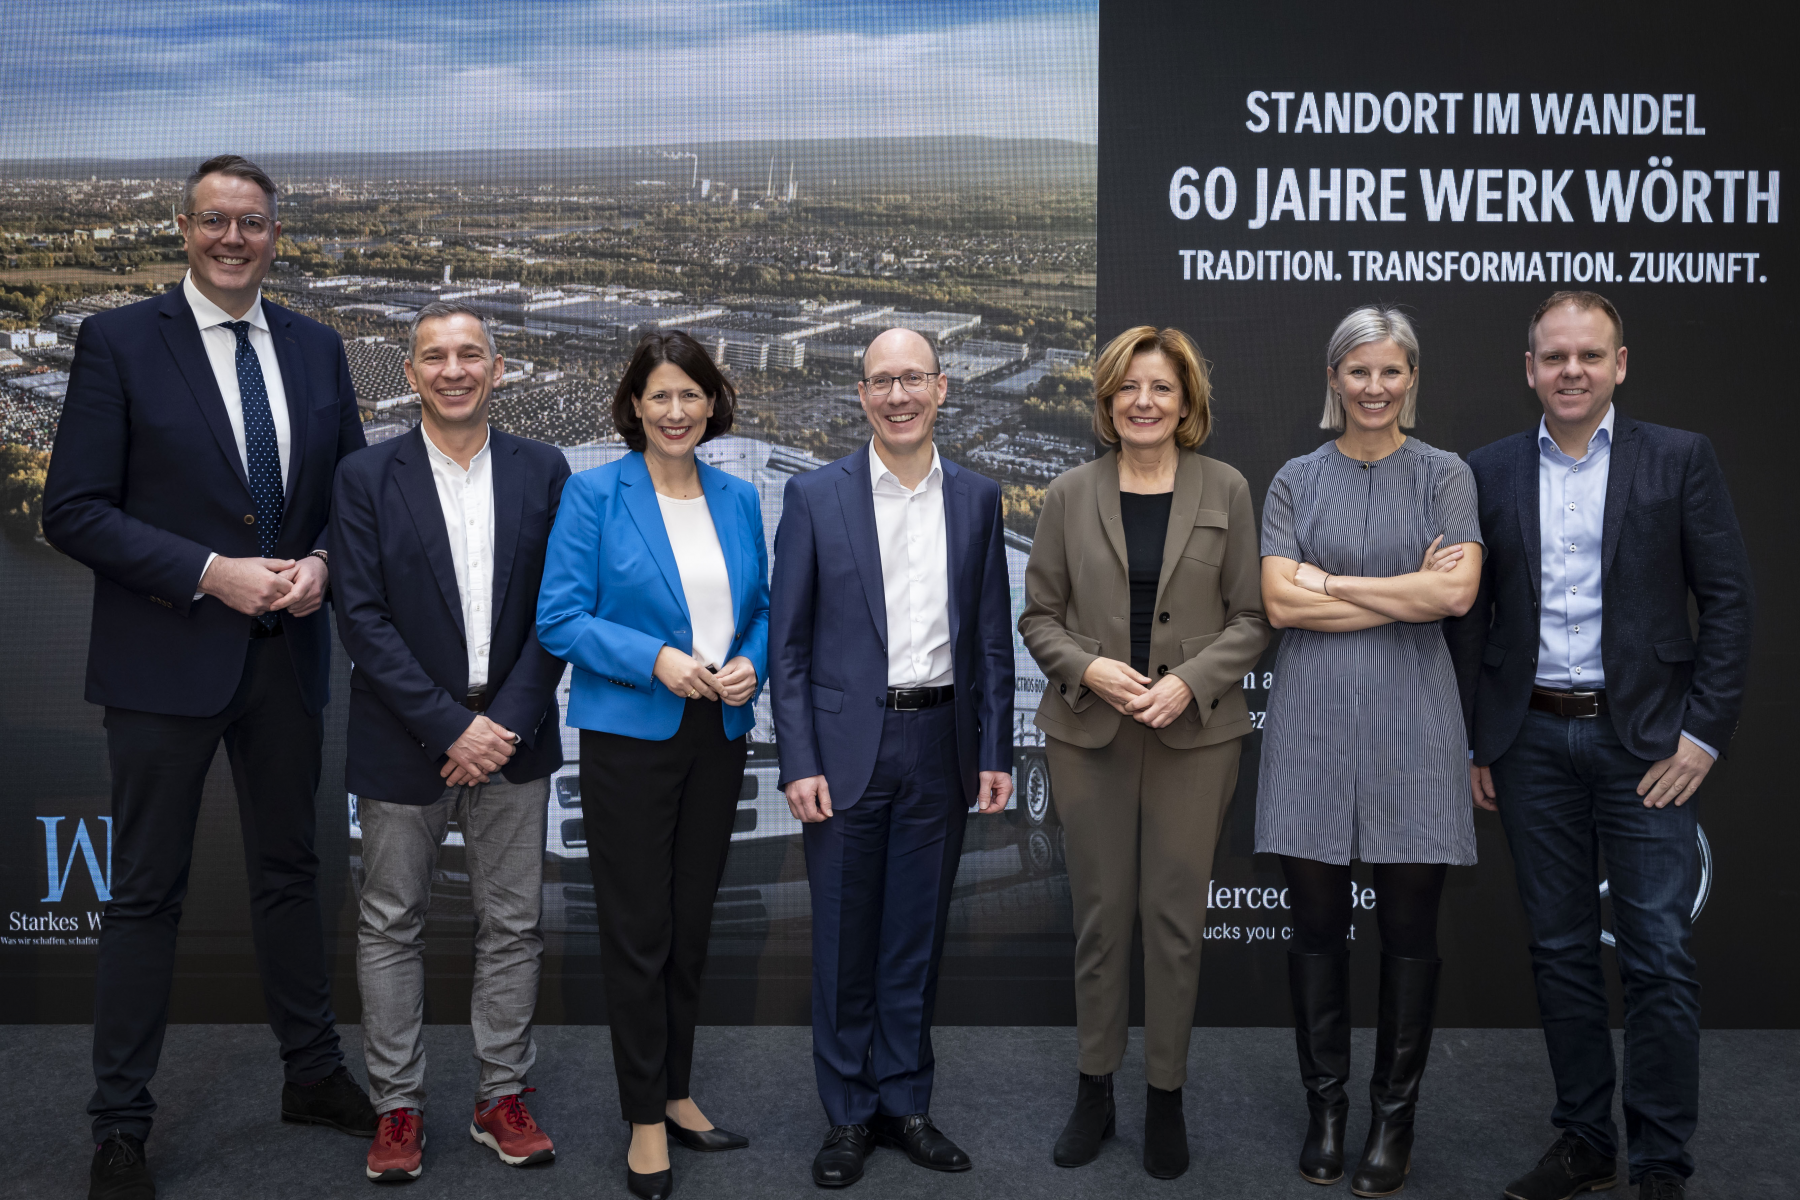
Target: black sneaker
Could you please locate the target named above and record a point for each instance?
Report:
(1660, 1185)
(119, 1170)
(1568, 1168)
(335, 1101)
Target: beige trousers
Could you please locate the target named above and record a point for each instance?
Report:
(1142, 821)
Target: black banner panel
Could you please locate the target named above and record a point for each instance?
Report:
(1266, 168)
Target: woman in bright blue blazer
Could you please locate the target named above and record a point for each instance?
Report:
(656, 590)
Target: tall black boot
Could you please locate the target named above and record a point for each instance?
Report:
(1165, 1133)
(1094, 1120)
(1320, 987)
(1402, 1042)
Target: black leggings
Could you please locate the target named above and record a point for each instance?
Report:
(1406, 907)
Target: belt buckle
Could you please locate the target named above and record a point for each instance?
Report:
(898, 702)
(1586, 716)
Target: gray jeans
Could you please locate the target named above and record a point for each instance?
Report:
(502, 826)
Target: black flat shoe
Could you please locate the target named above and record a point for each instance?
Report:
(1094, 1120)
(921, 1140)
(839, 1162)
(657, 1185)
(336, 1102)
(705, 1139)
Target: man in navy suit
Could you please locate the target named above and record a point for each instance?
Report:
(440, 540)
(1594, 712)
(192, 472)
(891, 664)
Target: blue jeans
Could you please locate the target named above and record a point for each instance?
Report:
(1567, 791)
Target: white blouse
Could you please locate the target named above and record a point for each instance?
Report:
(704, 580)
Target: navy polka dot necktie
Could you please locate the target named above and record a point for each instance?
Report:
(262, 454)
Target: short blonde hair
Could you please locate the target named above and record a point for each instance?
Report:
(1371, 323)
(1196, 388)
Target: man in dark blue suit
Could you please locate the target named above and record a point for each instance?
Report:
(192, 472)
(440, 538)
(1594, 712)
(891, 668)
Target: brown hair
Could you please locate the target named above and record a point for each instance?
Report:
(679, 350)
(1196, 388)
(230, 164)
(1581, 300)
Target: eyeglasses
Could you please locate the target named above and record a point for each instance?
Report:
(254, 226)
(912, 381)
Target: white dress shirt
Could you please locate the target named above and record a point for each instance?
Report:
(705, 582)
(221, 355)
(467, 498)
(915, 574)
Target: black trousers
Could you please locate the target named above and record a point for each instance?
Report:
(658, 817)
(159, 765)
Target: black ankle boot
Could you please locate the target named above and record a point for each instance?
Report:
(1165, 1133)
(1094, 1120)
(1402, 1043)
(1320, 987)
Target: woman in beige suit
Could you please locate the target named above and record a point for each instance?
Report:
(1143, 608)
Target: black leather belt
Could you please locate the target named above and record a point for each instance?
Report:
(913, 699)
(1568, 704)
(477, 701)
(259, 630)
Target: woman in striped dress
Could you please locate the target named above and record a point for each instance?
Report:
(1368, 543)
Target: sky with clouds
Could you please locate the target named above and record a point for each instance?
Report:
(167, 77)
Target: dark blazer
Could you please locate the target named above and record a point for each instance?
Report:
(146, 480)
(1210, 627)
(400, 616)
(1669, 530)
(828, 628)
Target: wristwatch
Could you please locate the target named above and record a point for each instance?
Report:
(322, 555)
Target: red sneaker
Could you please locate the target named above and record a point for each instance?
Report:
(399, 1146)
(505, 1127)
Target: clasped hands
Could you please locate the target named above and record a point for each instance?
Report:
(1134, 695)
(1316, 579)
(484, 747)
(689, 678)
(254, 586)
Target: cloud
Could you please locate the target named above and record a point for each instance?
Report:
(183, 78)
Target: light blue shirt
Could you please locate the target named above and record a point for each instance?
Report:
(1571, 524)
(1571, 519)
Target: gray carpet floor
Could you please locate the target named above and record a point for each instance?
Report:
(1002, 1093)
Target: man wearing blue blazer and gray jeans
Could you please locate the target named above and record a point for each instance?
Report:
(891, 664)
(192, 472)
(440, 538)
(1594, 710)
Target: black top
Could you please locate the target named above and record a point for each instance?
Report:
(1146, 519)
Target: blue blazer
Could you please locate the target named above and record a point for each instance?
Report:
(828, 628)
(612, 596)
(400, 616)
(146, 480)
(1669, 530)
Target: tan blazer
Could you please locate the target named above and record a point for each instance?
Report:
(1209, 627)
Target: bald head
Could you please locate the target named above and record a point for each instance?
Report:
(898, 350)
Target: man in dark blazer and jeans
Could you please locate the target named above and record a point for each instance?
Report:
(440, 539)
(192, 472)
(891, 670)
(1594, 711)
